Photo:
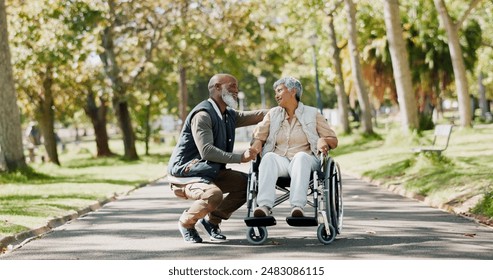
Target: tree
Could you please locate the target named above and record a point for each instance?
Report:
(485, 56)
(342, 98)
(39, 56)
(139, 23)
(400, 63)
(359, 83)
(461, 82)
(96, 107)
(10, 124)
(47, 41)
(429, 56)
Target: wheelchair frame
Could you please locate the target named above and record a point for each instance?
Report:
(324, 195)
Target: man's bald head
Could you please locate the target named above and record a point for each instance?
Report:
(220, 79)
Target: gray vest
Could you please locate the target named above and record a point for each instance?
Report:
(187, 152)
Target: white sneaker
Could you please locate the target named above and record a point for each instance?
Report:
(262, 211)
(297, 212)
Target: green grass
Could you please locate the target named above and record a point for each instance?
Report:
(31, 197)
(485, 207)
(462, 172)
(7, 228)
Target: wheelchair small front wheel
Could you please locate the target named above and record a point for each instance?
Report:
(324, 237)
(257, 235)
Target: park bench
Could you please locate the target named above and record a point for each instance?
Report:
(441, 137)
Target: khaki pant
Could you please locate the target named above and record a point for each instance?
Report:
(210, 199)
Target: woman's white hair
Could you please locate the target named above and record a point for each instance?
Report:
(290, 83)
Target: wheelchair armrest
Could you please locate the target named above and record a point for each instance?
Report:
(255, 164)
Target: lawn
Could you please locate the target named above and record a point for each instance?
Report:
(460, 176)
(31, 198)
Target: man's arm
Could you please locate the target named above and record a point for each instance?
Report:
(246, 118)
(204, 139)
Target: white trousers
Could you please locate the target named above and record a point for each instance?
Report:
(298, 169)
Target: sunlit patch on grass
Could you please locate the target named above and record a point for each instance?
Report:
(7, 228)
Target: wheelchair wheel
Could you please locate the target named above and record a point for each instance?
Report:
(324, 237)
(257, 238)
(337, 212)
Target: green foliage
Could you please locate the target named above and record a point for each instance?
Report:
(485, 206)
(425, 122)
(472, 39)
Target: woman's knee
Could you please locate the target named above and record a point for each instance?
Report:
(302, 157)
(268, 158)
(268, 161)
(302, 160)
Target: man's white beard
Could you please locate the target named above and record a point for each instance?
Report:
(229, 99)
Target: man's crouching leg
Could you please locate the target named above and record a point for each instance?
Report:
(208, 197)
(234, 184)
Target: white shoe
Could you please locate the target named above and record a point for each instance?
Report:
(297, 212)
(262, 211)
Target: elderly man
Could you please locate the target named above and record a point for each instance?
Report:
(203, 150)
(290, 136)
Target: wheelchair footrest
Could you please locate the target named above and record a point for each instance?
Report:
(260, 221)
(302, 221)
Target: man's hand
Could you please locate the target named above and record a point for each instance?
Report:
(249, 155)
(322, 146)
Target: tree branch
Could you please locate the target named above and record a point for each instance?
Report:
(486, 44)
(334, 8)
(472, 5)
(153, 41)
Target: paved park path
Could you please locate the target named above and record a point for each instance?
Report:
(378, 224)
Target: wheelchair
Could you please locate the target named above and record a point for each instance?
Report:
(324, 195)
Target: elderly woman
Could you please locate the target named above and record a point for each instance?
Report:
(289, 137)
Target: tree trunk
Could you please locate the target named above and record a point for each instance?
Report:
(400, 65)
(183, 95)
(482, 96)
(359, 83)
(46, 117)
(147, 123)
(125, 123)
(120, 103)
(342, 98)
(11, 148)
(98, 119)
(458, 64)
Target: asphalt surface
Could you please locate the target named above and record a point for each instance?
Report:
(378, 225)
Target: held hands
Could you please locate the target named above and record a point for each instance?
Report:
(252, 152)
(322, 146)
(249, 155)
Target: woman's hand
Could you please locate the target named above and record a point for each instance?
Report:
(257, 145)
(322, 146)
